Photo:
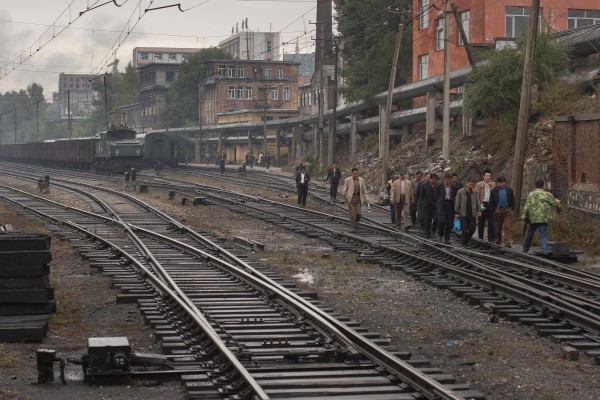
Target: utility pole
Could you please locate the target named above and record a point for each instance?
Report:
(463, 36)
(521, 139)
(15, 122)
(446, 112)
(384, 145)
(69, 123)
(321, 123)
(333, 125)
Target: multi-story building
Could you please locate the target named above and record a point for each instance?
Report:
(155, 81)
(75, 95)
(248, 85)
(248, 45)
(484, 23)
(160, 55)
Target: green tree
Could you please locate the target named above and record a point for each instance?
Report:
(495, 87)
(183, 93)
(369, 33)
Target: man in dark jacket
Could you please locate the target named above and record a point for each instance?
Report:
(302, 179)
(445, 195)
(427, 205)
(502, 202)
(333, 176)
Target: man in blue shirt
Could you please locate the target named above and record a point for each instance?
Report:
(502, 202)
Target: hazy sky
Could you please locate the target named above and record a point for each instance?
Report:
(72, 43)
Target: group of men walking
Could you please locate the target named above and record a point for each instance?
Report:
(438, 208)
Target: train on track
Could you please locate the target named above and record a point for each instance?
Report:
(114, 151)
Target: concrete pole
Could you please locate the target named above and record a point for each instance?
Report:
(446, 115)
(352, 134)
(385, 134)
(430, 117)
(521, 139)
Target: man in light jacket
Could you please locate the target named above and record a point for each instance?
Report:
(468, 209)
(402, 195)
(355, 191)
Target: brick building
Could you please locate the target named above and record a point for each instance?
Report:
(75, 95)
(155, 81)
(576, 150)
(243, 85)
(485, 22)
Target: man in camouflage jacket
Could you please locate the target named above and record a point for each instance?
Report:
(538, 211)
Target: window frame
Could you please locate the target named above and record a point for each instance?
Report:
(440, 43)
(423, 14)
(465, 19)
(231, 92)
(423, 66)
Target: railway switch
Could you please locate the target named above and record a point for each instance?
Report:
(107, 355)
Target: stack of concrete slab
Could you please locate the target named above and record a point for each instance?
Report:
(26, 297)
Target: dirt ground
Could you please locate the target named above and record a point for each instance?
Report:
(503, 360)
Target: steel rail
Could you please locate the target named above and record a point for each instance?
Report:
(159, 286)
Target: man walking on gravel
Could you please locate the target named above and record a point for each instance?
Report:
(484, 189)
(302, 179)
(467, 208)
(402, 196)
(355, 192)
(538, 210)
(333, 176)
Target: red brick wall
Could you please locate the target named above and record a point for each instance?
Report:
(576, 151)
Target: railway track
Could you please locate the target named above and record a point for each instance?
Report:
(556, 300)
(230, 330)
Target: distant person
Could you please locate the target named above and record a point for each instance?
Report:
(484, 189)
(502, 201)
(222, 165)
(355, 191)
(133, 174)
(157, 167)
(302, 179)
(538, 210)
(402, 196)
(333, 176)
(388, 189)
(127, 180)
(268, 161)
(468, 209)
(207, 157)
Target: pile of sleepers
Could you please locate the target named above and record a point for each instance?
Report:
(26, 297)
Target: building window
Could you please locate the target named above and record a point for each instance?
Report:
(240, 72)
(439, 34)
(231, 92)
(248, 92)
(222, 71)
(579, 18)
(268, 73)
(144, 56)
(424, 66)
(240, 92)
(517, 21)
(172, 56)
(423, 14)
(170, 76)
(269, 46)
(465, 19)
(279, 72)
(185, 56)
(158, 56)
(286, 93)
(275, 94)
(231, 71)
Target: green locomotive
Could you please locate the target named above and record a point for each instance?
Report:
(118, 151)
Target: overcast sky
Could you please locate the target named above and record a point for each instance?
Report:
(71, 43)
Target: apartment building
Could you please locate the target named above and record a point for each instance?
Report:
(238, 85)
(160, 55)
(485, 22)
